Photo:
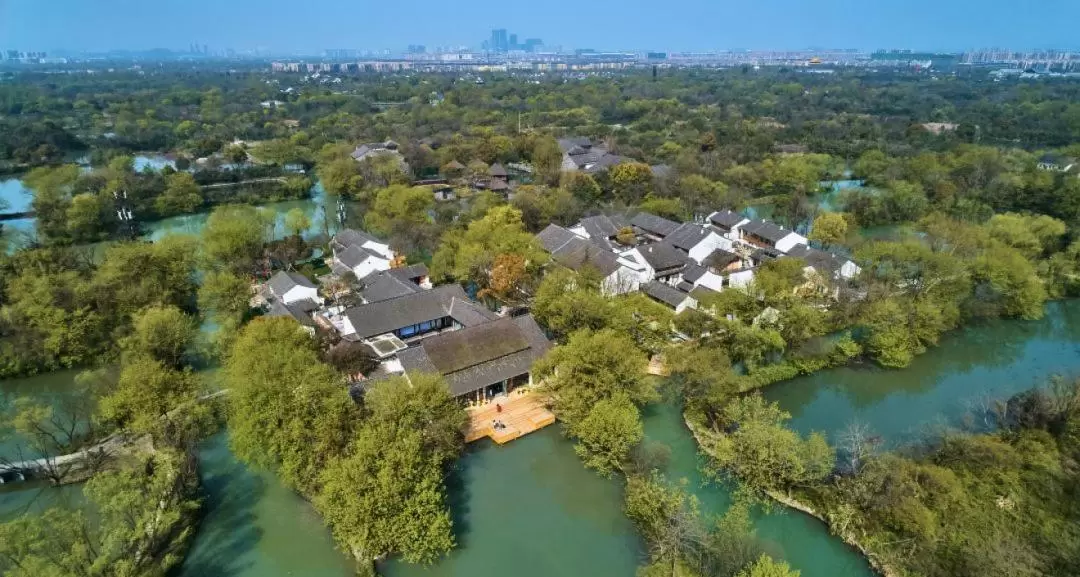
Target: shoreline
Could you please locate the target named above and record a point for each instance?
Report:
(876, 565)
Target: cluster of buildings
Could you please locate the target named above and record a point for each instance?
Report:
(678, 264)
(405, 324)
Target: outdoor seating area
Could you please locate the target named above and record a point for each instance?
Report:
(507, 417)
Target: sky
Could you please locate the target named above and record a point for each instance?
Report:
(284, 26)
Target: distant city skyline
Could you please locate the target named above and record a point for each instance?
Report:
(273, 26)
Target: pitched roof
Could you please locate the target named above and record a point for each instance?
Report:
(497, 170)
(662, 256)
(719, 259)
(654, 224)
(693, 272)
(603, 226)
(579, 253)
(478, 356)
(351, 237)
(353, 255)
(408, 273)
(280, 309)
(454, 164)
(818, 259)
(568, 144)
(687, 236)
(769, 231)
(284, 281)
(671, 296)
(554, 236)
(381, 285)
(726, 219)
(388, 315)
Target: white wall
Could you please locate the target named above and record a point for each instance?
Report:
(621, 281)
(300, 293)
(849, 270)
(788, 242)
(383, 249)
(713, 241)
(370, 265)
(742, 278)
(711, 280)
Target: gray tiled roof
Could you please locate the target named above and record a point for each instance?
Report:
(769, 231)
(554, 237)
(603, 226)
(353, 255)
(693, 272)
(818, 259)
(663, 257)
(687, 236)
(351, 237)
(654, 224)
(568, 144)
(726, 219)
(668, 295)
(719, 259)
(284, 281)
(382, 285)
(481, 355)
(579, 253)
(280, 309)
(408, 273)
(388, 315)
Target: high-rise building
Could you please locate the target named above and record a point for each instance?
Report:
(499, 41)
(513, 42)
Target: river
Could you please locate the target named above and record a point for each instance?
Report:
(529, 508)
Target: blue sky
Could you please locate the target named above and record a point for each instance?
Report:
(289, 25)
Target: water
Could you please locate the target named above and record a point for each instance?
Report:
(999, 358)
(14, 196)
(823, 201)
(530, 508)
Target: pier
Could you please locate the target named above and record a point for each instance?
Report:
(523, 412)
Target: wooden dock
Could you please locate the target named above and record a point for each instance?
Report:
(522, 412)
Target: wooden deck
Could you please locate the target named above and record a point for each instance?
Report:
(522, 413)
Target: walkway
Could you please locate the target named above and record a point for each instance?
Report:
(522, 412)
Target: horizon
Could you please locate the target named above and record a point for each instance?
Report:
(696, 26)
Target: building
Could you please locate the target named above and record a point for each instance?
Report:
(412, 316)
(292, 287)
(1056, 163)
(652, 227)
(483, 360)
(601, 229)
(829, 265)
(727, 223)
(359, 253)
(657, 261)
(581, 154)
(395, 282)
(580, 254)
(373, 150)
(698, 242)
(770, 235)
(669, 296)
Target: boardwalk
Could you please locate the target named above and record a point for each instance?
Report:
(522, 413)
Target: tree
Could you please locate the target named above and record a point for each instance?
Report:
(470, 255)
(547, 159)
(288, 412)
(583, 187)
(236, 153)
(566, 302)
(52, 189)
(387, 495)
(829, 228)
(351, 358)
(669, 521)
(149, 399)
(84, 217)
(162, 333)
(590, 367)
(182, 195)
(608, 433)
(234, 237)
(671, 208)
(297, 221)
(135, 275)
(402, 214)
(766, 567)
(702, 195)
(341, 176)
(631, 181)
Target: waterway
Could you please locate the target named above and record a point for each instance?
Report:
(529, 508)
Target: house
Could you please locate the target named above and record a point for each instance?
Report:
(653, 227)
(657, 261)
(483, 360)
(722, 261)
(413, 316)
(358, 252)
(1056, 163)
(727, 223)
(826, 264)
(395, 282)
(697, 241)
(769, 235)
(292, 287)
(300, 311)
(497, 172)
(373, 149)
(581, 154)
(601, 229)
(699, 276)
(938, 128)
(443, 193)
(579, 254)
(669, 296)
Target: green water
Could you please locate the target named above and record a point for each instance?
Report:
(530, 509)
(999, 358)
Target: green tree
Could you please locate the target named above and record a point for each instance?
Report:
(149, 398)
(85, 217)
(288, 411)
(234, 238)
(297, 221)
(162, 333)
(829, 228)
(583, 187)
(341, 176)
(182, 195)
(671, 208)
(224, 299)
(766, 567)
(608, 433)
(398, 209)
(631, 181)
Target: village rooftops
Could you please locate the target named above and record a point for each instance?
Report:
(284, 281)
(365, 150)
(821, 261)
(654, 225)
(726, 219)
(382, 285)
(687, 236)
(389, 315)
(720, 259)
(497, 170)
(351, 237)
(663, 258)
(480, 355)
(766, 230)
(554, 237)
(299, 312)
(666, 294)
(576, 253)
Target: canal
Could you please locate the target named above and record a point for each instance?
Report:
(530, 509)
